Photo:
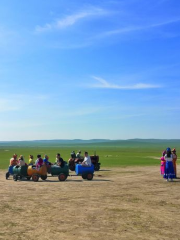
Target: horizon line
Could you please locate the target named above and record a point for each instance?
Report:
(93, 139)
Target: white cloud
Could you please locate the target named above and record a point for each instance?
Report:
(167, 22)
(130, 29)
(70, 20)
(104, 84)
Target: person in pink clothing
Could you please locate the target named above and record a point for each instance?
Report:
(39, 162)
(163, 163)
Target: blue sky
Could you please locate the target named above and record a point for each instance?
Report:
(89, 69)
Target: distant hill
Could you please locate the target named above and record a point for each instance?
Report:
(74, 140)
(154, 140)
(53, 143)
(99, 142)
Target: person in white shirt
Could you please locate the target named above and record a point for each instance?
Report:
(21, 161)
(87, 160)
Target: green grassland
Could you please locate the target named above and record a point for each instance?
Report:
(135, 152)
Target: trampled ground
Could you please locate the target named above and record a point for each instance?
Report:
(120, 203)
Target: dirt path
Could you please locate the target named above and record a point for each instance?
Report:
(120, 203)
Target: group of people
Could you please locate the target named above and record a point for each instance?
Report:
(85, 162)
(76, 155)
(15, 161)
(168, 164)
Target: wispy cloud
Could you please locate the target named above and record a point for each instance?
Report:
(17, 102)
(102, 83)
(21, 124)
(84, 111)
(130, 29)
(70, 20)
(125, 116)
(7, 105)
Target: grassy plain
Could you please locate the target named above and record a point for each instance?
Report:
(111, 153)
(127, 198)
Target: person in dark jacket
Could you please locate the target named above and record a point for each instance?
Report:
(59, 160)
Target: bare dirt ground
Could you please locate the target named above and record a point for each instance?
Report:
(119, 203)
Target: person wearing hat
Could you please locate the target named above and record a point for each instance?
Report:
(174, 161)
(169, 169)
(73, 154)
(78, 155)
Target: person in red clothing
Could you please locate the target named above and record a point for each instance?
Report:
(174, 161)
(13, 160)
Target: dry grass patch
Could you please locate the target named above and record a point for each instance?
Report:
(119, 203)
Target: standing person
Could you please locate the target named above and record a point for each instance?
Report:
(163, 163)
(39, 161)
(169, 169)
(87, 160)
(59, 160)
(13, 160)
(174, 161)
(31, 160)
